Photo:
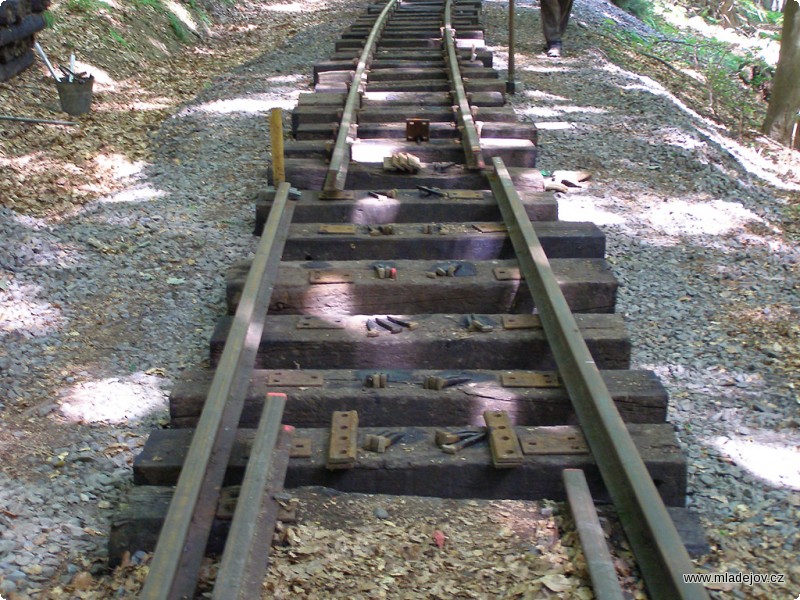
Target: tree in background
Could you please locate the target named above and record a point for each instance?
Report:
(782, 114)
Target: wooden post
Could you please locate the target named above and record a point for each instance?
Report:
(276, 139)
(511, 84)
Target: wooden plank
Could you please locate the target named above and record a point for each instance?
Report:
(514, 151)
(436, 85)
(405, 73)
(522, 131)
(393, 131)
(639, 396)
(561, 239)
(137, 521)
(483, 55)
(407, 207)
(305, 114)
(417, 466)
(442, 341)
(309, 173)
(588, 285)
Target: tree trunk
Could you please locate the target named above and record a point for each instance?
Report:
(784, 104)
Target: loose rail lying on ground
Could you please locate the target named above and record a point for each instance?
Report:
(658, 549)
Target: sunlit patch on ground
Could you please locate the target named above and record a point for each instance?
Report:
(114, 400)
(254, 105)
(288, 8)
(140, 193)
(583, 208)
(776, 463)
(118, 166)
(30, 317)
(679, 217)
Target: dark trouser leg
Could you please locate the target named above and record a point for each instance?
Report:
(555, 15)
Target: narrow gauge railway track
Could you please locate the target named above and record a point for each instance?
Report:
(418, 280)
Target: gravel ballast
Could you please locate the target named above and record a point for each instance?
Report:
(102, 310)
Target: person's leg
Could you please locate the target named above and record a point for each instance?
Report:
(551, 21)
(565, 7)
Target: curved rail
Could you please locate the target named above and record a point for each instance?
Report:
(658, 548)
(466, 124)
(340, 158)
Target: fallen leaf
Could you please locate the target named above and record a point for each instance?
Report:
(439, 538)
(556, 582)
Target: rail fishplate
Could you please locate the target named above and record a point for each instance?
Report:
(503, 441)
(343, 447)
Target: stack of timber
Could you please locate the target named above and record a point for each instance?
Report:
(19, 22)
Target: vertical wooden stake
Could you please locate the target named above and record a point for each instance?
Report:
(511, 84)
(276, 139)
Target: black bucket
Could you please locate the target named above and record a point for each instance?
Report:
(75, 96)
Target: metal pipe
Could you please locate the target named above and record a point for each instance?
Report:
(33, 120)
(658, 548)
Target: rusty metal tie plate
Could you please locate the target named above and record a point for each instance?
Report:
(294, 379)
(562, 439)
(490, 227)
(333, 229)
(322, 276)
(522, 322)
(337, 195)
(503, 441)
(507, 273)
(464, 195)
(343, 445)
(530, 379)
(320, 323)
(301, 448)
(418, 130)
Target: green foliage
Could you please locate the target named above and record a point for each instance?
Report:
(639, 8)
(754, 13)
(86, 6)
(49, 18)
(200, 12)
(151, 3)
(734, 85)
(117, 37)
(180, 30)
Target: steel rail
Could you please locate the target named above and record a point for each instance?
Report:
(658, 548)
(470, 138)
(179, 551)
(246, 557)
(605, 583)
(340, 157)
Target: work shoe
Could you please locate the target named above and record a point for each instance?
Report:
(553, 49)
